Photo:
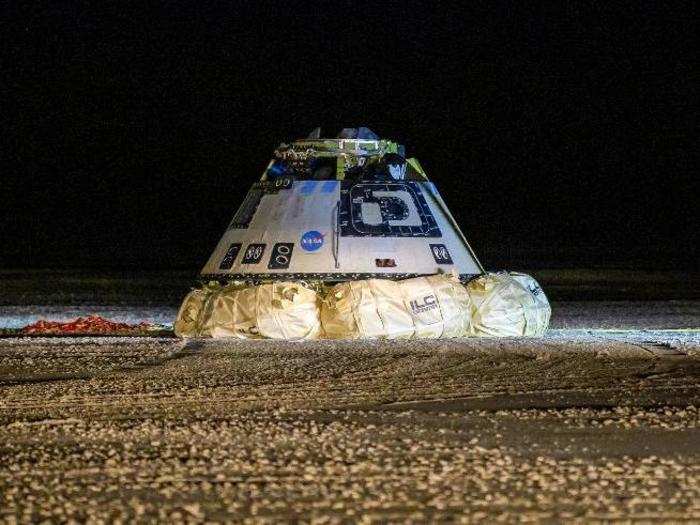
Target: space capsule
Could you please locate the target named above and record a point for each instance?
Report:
(347, 208)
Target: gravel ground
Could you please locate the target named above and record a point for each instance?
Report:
(581, 425)
(598, 421)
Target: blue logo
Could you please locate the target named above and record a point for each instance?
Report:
(311, 241)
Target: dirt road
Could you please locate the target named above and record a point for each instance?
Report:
(588, 425)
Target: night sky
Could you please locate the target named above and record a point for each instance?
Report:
(558, 136)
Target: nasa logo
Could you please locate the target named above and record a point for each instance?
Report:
(311, 241)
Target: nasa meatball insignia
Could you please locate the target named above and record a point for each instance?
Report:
(311, 241)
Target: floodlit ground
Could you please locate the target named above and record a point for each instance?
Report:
(597, 421)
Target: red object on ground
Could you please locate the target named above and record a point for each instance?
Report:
(93, 324)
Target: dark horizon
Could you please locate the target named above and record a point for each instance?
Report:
(557, 136)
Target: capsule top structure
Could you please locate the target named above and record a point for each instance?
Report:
(352, 207)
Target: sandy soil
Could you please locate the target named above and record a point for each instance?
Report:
(591, 427)
(598, 421)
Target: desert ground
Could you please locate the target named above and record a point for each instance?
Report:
(597, 421)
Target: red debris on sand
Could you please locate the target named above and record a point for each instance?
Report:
(93, 324)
